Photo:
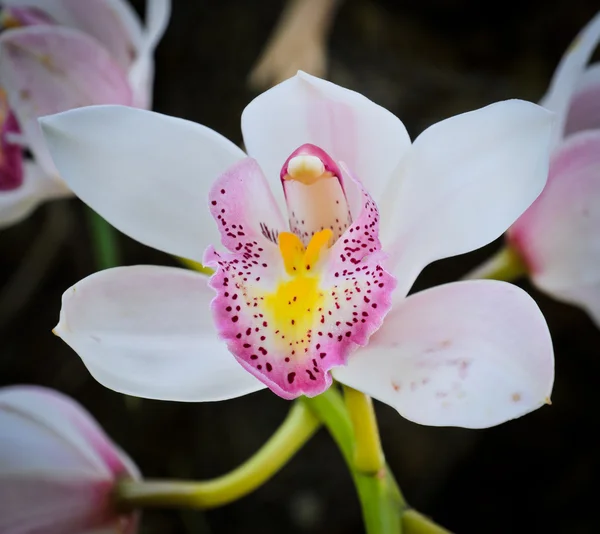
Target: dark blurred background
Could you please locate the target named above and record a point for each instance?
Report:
(424, 60)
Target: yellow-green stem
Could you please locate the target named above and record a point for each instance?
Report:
(505, 265)
(299, 426)
(195, 266)
(380, 499)
(416, 523)
(368, 454)
(383, 506)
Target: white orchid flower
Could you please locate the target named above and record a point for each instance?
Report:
(319, 294)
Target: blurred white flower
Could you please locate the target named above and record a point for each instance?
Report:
(58, 468)
(56, 55)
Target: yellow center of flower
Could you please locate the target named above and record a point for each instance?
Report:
(293, 304)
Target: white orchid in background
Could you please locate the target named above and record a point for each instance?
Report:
(60, 54)
(558, 237)
(322, 294)
(58, 468)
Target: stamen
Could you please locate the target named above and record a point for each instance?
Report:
(306, 169)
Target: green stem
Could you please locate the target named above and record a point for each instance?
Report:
(104, 236)
(505, 265)
(299, 426)
(383, 506)
(196, 266)
(416, 523)
(368, 454)
(380, 499)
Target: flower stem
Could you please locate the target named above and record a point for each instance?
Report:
(416, 523)
(299, 426)
(368, 454)
(104, 237)
(380, 499)
(196, 266)
(383, 506)
(505, 265)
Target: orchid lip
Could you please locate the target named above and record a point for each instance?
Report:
(292, 303)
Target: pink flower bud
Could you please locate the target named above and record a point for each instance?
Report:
(58, 468)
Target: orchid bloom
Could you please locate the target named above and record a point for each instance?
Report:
(557, 238)
(56, 55)
(321, 295)
(58, 468)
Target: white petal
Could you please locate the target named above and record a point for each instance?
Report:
(141, 73)
(469, 354)
(463, 183)
(568, 74)
(147, 331)
(345, 124)
(147, 174)
(37, 186)
(158, 13)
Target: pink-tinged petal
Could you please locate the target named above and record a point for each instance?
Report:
(468, 354)
(290, 314)
(584, 109)
(463, 183)
(49, 69)
(37, 186)
(345, 124)
(113, 23)
(57, 467)
(558, 235)
(245, 226)
(568, 74)
(147, 174)
(141, 72)
(147, 331)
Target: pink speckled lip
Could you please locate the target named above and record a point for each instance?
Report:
(354, 289)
